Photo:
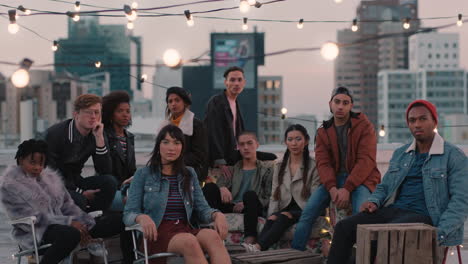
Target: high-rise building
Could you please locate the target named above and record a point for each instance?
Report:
(434, 51)
(357, 65)
(270, 101)
(112, 45)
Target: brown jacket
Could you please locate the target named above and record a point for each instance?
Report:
(361, 154)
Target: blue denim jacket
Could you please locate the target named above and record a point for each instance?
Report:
(149, 192)
(445, 181)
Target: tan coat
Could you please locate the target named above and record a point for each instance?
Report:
(291, 187)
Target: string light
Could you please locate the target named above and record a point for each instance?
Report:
(460, 21)
(382, 131)
(13, 28)
(55, 46)
(73, 15)
(338, 1)
(258, 4)
(252, 2)
(189, 17)
(24, 10)
(244, 6)
(172, 59)
(130, 13)
(130, 25)
(244, 24)
(143, 78)
(284, 111)
(134, 5)
(406, 23)
(329, 51)
(20, 77)
(354, 27)
(97, 64)
(77, 6)
(300, 24)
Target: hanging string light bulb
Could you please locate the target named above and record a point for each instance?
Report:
(329, 51)
(172, 59)
(300, 24)
(251, 2)
(244, 24)
(55, 46)
(24, 10)
(406, 23)
(382, 131)
(20, 77)
(354, 27)
(97, 64)
(77, 6)
(134, 5)
(189, 17)
(130, 25)
(130, 13)
(74, 16)
(13, 28)
(284, 111)
(460, 21)
(244, 6)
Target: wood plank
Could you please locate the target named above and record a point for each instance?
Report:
(363, 245)
(411, 247)
(425, 246)
(290, 256)
(382, 248)
(394, 257)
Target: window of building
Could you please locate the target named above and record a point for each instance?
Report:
(446, 45)
(454, 45)
(269, 84)
(429, 56)
(446, 55)
(454, 55)
(437, 56)
(429, 45)
(277, 84)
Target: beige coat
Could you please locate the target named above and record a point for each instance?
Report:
(291, 187)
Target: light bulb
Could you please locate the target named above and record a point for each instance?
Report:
(134, 5)
(459, 21)
(76, 18)
(245, 27)
(251, 2)
(172, 58)
(55, 46)
(382, 133)
(284, 110)
(130, 25)
(329, 51)
(20, 78)
(77, 6)
(244, 6)
(132, 16)
(190, 22)
(354, 27)
(98, 64)
(13, 28)
(406, 23)
(300, 24)
(143, 78)
(338, 1)
(27, 12)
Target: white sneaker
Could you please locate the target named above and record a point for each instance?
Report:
(250, 247)
(96, 249)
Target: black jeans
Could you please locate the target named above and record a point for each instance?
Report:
(252, 207)
(274, 229)
(65, 238)
(107, 184)
(345, 230)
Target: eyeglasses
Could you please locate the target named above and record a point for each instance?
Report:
(89, 112)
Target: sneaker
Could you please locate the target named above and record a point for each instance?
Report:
(250, 247)
(96, 249)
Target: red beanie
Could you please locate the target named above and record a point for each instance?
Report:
(426, 104)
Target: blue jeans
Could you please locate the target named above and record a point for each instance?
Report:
(319, 201)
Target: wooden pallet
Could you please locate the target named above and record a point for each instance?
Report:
(397, 243)
(289, 256)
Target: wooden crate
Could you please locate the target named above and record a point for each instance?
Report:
(411, 243)
(289, 256)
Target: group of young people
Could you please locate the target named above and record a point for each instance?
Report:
(426, 180)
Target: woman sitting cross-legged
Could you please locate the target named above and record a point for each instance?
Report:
(294, 179)
(163, 197)
(30, 190)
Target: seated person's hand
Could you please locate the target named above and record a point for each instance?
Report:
(238, 207)
(226, 172)
(226, 196)
(220, 224)
(150, 231)
(342, 198)
(90, 194)
(369, 207)
(85, 237)
(333, 194)
(127, 181)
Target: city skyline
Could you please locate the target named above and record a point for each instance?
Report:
(304, 73)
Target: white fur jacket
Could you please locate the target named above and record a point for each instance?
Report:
(44, 197)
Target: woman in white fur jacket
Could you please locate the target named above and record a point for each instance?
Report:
(27, 189)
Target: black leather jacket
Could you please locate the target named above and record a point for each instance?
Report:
(122, 167)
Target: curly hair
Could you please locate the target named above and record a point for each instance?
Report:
(110, 102)
(29, 147)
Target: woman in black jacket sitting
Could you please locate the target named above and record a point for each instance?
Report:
(117, 117)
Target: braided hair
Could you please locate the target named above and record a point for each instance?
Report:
(29, 147)
(307, 181)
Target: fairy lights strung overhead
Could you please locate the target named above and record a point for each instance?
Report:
(354, 27)
(130, 13)
(24, 10)
(130, 25)
(55, 46)
(13, 28)
(406, 23)
(300, 24)
(189, 17)
(77, 6)
(244, 24)
(244, 6)
(460, 21)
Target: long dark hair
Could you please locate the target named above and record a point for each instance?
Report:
(306, 181)
(178, 166)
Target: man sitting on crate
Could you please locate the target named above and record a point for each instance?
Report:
(426, 182)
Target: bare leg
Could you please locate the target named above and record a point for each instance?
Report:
(212, 243)
(187, 245)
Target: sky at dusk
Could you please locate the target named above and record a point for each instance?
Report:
(308, 79)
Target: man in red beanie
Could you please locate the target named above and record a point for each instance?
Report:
(425, 183)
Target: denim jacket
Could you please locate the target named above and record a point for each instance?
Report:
(445, 182)
(149, 192)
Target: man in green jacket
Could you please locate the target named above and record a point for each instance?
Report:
(249, 189)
